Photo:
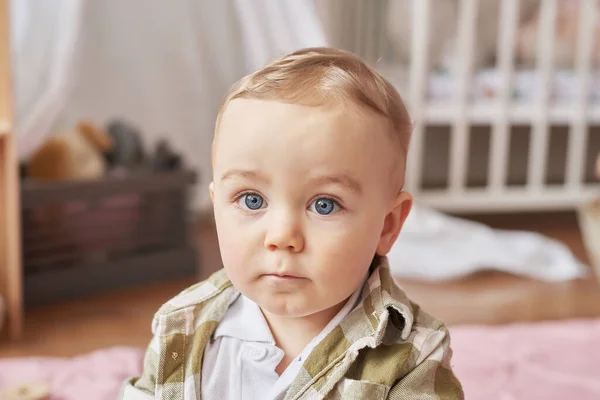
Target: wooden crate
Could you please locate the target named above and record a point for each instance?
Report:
(86, 237)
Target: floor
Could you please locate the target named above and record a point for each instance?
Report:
(495, 298)
(123, 318)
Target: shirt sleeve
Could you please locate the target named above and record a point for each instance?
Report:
(143, 387)
(432, 377)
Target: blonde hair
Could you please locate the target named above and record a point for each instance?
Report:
(319, 76)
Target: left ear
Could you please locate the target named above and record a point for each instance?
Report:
(211, 190)
(393, 222)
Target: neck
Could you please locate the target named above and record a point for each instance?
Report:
(292, 334)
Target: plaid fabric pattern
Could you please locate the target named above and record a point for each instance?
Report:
(386, 348)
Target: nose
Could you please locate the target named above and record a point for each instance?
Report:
(284, 233)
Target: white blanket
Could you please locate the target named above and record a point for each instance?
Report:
(435, 246)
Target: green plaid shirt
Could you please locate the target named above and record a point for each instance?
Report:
(386, 348)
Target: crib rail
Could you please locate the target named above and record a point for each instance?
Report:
(575, 167)
(357, 26)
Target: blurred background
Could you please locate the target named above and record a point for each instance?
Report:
(107, 111)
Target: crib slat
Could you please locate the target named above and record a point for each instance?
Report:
(509, 15)
(538, 148)
(460, 132)
(578, 131)
(418, 87)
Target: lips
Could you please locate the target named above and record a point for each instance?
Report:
(283, 276)
(283, 282)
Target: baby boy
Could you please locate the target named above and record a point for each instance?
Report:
(308, 161)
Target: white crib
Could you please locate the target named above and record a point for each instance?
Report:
(478, 153)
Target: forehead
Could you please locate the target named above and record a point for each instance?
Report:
(274, 135)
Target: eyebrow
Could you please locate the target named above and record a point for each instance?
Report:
(343, 180)
(243, 174)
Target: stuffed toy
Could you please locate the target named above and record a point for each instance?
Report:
(76, 153)
(127, 152)
(165, 158)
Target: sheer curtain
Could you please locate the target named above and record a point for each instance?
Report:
(44, 38)
(163, 66)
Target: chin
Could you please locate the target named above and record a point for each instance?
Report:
(287, 310)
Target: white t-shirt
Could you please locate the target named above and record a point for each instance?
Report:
(241, 357)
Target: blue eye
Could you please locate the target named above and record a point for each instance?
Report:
(324, 206)
(253, 201)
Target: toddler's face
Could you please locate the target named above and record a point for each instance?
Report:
(301, 198)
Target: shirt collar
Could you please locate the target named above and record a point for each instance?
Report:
(244, 320)
(382, 299)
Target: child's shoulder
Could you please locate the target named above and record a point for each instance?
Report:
(410, 356)
(390, 295)
(201, 295)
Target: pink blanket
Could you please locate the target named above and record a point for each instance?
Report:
(531, 361)
(558, 360)
(94, 376)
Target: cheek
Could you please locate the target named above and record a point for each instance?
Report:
(237, 245)
(347, 249)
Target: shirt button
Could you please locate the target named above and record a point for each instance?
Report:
(257, 354)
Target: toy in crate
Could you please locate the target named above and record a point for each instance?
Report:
(589, 220)
(99, 213)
